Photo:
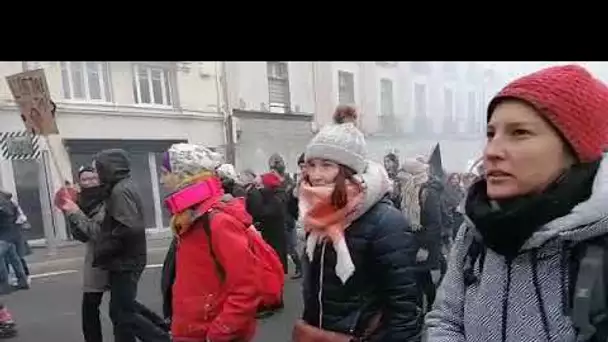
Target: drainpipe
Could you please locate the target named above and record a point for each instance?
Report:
(228, 119)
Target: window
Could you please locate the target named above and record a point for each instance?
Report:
(473, 112)
(472, 103)
(346, 87)
(152, 85)
(473, 74)
(420, 99)
(387, 107)
(278, 84)
(87, 81)
(422, 124)
(448, 103)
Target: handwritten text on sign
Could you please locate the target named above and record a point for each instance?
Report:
(31, 92)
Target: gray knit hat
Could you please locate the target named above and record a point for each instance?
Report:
(341, 142)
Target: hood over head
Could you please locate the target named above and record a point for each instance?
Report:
(112, 166)
(376, 184)
(277, 163)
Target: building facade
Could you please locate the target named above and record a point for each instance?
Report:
(273, 108)
(142, 107)
(407, 107)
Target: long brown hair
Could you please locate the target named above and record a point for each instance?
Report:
(339, 197)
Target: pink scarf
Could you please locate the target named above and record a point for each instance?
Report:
(320, 216)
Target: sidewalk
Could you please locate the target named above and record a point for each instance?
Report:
(70, 255)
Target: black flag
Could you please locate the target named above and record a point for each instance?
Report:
(435, 164)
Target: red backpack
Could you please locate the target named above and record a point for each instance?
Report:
(270, 275)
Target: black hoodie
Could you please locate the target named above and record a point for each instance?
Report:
(122, 241)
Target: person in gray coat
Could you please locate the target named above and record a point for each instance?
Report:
(543, 195)
(85, 229)
(85, 226)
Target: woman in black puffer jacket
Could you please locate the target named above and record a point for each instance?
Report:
(360, 281)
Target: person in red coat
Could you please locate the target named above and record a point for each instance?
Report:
(214, 294)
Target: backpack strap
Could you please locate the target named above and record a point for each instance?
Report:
(589, 287)
(206, 220)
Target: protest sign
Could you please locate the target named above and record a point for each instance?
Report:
(31, 92)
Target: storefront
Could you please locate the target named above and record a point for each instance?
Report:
(146, 156)
(21, 174)
(27, 176)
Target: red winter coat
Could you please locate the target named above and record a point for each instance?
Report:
(203, 306)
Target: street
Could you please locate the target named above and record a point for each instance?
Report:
(50, 310)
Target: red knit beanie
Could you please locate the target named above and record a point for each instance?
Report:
(271, 180)
(569, 98)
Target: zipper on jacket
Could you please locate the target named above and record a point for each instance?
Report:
(320, 293)
(505, 302)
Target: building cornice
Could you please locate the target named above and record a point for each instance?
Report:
(111, 109)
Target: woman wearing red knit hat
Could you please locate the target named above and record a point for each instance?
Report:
(526, 264)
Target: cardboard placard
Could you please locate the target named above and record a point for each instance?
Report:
(31, 92)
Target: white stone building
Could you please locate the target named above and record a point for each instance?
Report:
(273, 105)
(142, 107)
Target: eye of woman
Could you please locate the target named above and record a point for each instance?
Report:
(519, 132)
(327, 163)
(490, 133)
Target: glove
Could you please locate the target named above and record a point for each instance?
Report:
(422, 255)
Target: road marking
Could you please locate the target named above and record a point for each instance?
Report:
(57, 273)
(51, 274)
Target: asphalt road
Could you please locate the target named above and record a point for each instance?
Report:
(50, 310)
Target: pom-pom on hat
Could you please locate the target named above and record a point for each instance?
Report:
(341, 142)
(569, 98)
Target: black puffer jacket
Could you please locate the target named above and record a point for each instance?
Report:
(122, 239)
(383, 251)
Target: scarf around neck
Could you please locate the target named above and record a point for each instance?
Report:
(505, 226)
(322, 220)
(411, 197)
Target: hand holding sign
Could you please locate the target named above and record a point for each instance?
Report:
(31, 92)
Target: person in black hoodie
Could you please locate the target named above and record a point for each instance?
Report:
(84, 221)
(121, 247)
(434, 222)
